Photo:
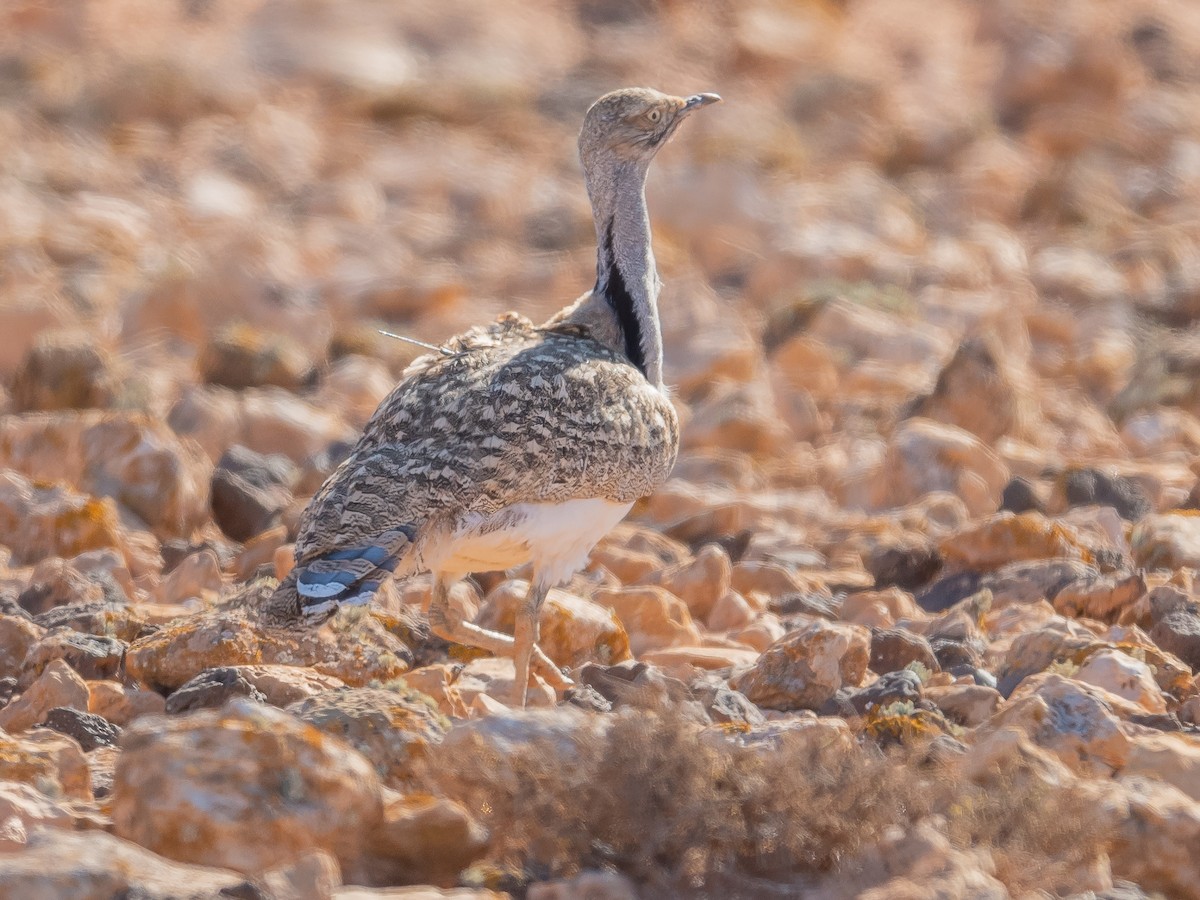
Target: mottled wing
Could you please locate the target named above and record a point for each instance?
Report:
(516, 415)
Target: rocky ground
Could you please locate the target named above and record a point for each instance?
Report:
(916, 615)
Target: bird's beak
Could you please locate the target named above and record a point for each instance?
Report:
(698, 100)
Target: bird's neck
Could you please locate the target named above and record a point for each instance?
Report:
(623, 306)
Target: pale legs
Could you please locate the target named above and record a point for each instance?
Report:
(446, 621)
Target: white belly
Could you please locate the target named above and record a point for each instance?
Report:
(555, 537)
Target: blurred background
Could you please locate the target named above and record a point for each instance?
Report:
(983, 214)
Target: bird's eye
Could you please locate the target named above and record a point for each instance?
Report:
(654, 115)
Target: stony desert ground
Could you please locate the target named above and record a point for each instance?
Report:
(916, 615)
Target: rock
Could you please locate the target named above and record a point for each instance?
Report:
(284, 685)
(391, 728)
(572, 630)
(1171, 759)
(356, 385)
(25, 321)
(314, 876)
(1032, 651)
(1166, 541)
(91, 655)
(731, 613)
(22, 810)
(17, 636)
(635, 684)
(1104, 597)
(52, 761)
(197, 575)
(64, 370)
(212, 689)
(1166, 599)
(948, 591)
(806, 668)
(976, 391)
(422, 892)
(91, 731)
(247, 788)
(97, 866)
(893, 649)
(919, 862)
(901, 686)
(276, 421)
(770, 579)
(879, 609)
(488, 682)
(1006, 538)
(260, 553)
(1157, 827)
(53, 520)
(699, 582)
(353, 647)
(115, 623)
(424, 840)
(736, 416)
(121, 704)
(58, 685)
(1121, 674)
(1070, 720)
(130, 457)
(511, 734)
(1021, 496)
(1086, 486)
(590, 885)
(967, 704)
(56, 583)
(681, 660)
(250, 491)
(924, 457)
(241, 356)
(906, 563)
(652, 616)
(1178, 632)
(1031, 581)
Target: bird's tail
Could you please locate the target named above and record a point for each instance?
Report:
(348, 576)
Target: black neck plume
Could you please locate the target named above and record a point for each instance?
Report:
(611, 283)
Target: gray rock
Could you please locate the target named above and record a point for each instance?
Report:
(250, 491)
(895, 648)
(1178, 632)
(212, 689)
(90, 730)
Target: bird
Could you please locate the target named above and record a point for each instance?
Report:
(515, 443)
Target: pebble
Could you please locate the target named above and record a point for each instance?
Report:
(246, 788)
(804, 669)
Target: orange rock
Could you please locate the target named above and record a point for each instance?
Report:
(58, 685)
(48, 759)
(247, 787)
(122, 704)
(881, 609)
(730, 613)
(803, 669)
(1006, 538)
(653, 617)
(699, 582)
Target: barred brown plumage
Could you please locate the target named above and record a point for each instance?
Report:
(524, 443)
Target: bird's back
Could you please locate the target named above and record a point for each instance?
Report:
(514, 414)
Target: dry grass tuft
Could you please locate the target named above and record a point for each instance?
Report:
(686, 813)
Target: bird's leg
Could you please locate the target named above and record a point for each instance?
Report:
(447, 622)
(525, 635)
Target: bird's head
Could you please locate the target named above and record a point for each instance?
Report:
(630, 125)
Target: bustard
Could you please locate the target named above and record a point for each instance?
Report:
(519, 443)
